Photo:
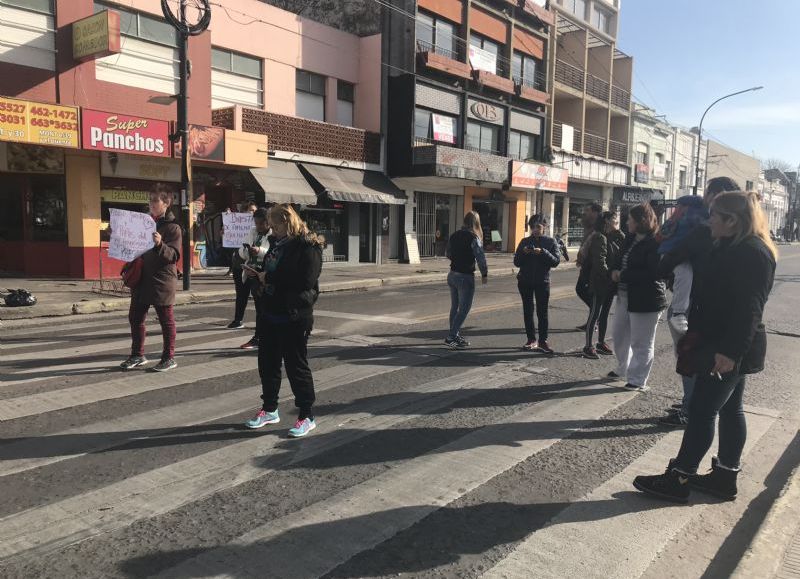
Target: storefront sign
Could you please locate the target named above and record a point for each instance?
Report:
(125, 134)
(96, 36)
(635, 196)
(642, 174)
(136, 167)
(480, 59)
(485, 112)
(131, 234)
(38, 123)
(538, 177)
(236, 229)
(659, 171)
(444, 128)
(18, 158)
(125, 196)
(205, 144)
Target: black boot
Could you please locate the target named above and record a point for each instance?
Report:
(671, 486)
(720, 482)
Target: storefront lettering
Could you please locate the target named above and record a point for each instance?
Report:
(111, 132)
(485, 112)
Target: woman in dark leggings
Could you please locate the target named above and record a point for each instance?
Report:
(603, 253)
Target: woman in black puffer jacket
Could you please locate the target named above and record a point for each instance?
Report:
(729, 342)
(289, 289)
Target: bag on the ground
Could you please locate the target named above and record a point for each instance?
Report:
(19, 298)
(695, 358)
(132, 273)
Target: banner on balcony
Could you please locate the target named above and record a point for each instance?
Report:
(480, 59)
(444, 128)
(538, 177)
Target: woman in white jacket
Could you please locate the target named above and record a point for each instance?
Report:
(252, 255)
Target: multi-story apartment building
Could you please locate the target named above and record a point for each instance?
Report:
(467, 101)
(282, 109)
(591, 112)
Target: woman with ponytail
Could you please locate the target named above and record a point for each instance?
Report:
(726, 342)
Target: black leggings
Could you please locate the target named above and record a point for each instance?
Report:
(598, 316)
(542, 294)
(582, 289)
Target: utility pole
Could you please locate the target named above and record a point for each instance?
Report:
(185, 30)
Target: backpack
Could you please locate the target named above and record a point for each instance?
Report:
(19, 297)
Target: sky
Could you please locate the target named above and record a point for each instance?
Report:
(688, 53)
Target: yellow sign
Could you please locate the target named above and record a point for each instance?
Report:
(125, 196)
(38, 123)
(96, 36)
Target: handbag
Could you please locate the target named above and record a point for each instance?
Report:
(132, 273)
(695, 358)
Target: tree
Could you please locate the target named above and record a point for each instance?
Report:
(775, 163)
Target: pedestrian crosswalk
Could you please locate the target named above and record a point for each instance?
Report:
(404, 432)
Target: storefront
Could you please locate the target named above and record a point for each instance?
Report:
(435, 219)
(580, 196)
(34, 227)
(544, 187)
(627, 197)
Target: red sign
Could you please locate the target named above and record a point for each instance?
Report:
(539, 177)
(205, 144)
(125, 134)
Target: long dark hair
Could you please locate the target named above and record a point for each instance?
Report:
(603, 220)
(645, 218)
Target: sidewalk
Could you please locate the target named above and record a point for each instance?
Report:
(775, 550)
(62, 297)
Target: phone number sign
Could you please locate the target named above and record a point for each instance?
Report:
(38, 123)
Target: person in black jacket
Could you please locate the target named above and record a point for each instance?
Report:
(730, 343)
(289, 289)
(535, 256)
(603, 254)
(641, 297)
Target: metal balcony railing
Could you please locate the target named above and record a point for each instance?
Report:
(425, 46)
(539, 81)
(620, 98)
(558, 134)
(594, 144)
(617, 151)
(569, 75)
(597, 87)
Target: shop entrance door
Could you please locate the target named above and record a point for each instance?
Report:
(433, 220)
(366, 233)
(491, 214)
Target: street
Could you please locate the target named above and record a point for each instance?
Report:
(426, 462)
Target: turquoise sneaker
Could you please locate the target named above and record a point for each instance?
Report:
(302, 427)
(262, 419)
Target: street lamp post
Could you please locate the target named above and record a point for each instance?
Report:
(700, 132)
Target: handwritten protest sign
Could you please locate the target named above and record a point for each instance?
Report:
(131, 234)
(237, 229)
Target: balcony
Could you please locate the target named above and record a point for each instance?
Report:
(534, 89)
(594, 144)
(543, 14)
(569, 75)
(442, 59)
(598, 88)
(617, 151)
(445, 161)
(620, 98)
(557, 137)
(309, 137)
(495, 81)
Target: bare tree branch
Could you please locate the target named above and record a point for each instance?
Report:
(775, 163)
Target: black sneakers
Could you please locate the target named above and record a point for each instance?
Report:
(720, 482)
(133, 362)
(164, 365)
(235, 325)
(590, 353)
(671, 486)
(676, 420)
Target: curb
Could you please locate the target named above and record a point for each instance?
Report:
(202, 297)
(778, 538)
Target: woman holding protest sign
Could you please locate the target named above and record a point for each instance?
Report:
(157, 284)
(242, 293)
(251, 256)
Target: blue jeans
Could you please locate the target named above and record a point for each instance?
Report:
(712, 397)
(462, 290)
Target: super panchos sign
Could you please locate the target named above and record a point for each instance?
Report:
(125, 134)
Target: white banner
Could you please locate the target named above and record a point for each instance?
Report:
(567, 137)
(237, 228)
(481, 59)
(659, 171)
(444, 129)
(131, 234)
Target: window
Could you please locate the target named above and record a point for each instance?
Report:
(44, 6)
(642, 154)
(437, 34)
(669, 170)
(48, 209)
(481, 42)
(432, 127)
(27, 30)
(524, 71)
(748, 186)
(601, 20)
(484, 138)
(682, 178)
(236, 79)
(310, 95)
(522, 146)
(577, 7)
(488, 59)
(142, 26)
(344, 104)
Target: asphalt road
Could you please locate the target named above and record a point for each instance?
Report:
(426, 462)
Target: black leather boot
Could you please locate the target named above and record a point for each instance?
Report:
(720, 482)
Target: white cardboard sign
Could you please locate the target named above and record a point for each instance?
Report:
(237, 228)
(131, 234)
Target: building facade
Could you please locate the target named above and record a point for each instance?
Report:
(88, 86)
(724, 161)
(773, 190)
(591, 112)
(467, 102)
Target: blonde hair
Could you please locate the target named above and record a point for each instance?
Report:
(472, 221)
(751, 221)
(295, 227)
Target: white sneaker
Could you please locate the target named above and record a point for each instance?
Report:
(679, 323)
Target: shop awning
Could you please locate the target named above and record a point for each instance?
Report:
(355, 185)
(283, 182)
